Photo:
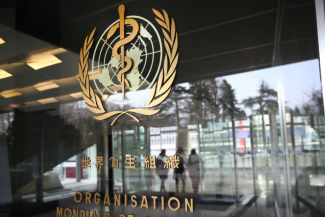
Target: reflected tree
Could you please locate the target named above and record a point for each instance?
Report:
(229, 103)
(200, 94)
(265, 103)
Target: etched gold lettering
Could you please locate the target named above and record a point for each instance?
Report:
(178, 204)
(188, 205)
(97, 198)
(59, 212)
(107, 200)
(75, 212)
(133, 197)
(154, 198)
(162, 203)
(144, 202)
(93, 214)
(88, 196)
(82, 213)
(75, 196)
(107, 214)
(117, 200)
(65, 212)
(126, 200)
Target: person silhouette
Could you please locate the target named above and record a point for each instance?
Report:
(179, 171)
(220, 158)
(194, 170)
(161, 171)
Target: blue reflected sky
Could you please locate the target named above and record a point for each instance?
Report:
(298, 80)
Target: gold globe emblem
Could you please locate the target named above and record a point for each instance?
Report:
(123, 64)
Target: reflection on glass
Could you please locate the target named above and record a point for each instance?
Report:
(249, 135)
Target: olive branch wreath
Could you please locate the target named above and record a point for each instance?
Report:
(160, 89)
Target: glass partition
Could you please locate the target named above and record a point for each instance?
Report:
(241, 131)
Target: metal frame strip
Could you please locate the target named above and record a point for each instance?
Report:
(320, 18)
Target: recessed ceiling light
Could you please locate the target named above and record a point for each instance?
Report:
(11, 107)
(76, 95)
(42, 60)
(2, 41)
(47, 100)
(4, 74)
(56, 51)
(46, 86)
(10, 93)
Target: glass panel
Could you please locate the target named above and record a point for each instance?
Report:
(241, 131)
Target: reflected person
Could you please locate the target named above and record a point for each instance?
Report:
(179, 172)
(194, 169)
(308, 192)
(220, 158)
(161, 171)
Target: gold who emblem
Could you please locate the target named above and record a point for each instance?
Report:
(160, 89)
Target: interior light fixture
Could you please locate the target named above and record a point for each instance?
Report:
(4, 74)
(42, 60)
(47, 100)
(2, 41)
(76, 95)
(46, 86)
(10, 93)
(11, 107)
(56, 51)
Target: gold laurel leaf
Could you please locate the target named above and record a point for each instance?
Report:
(83, 88)
(81, 61)
(89, 46)
(92, 100)
(175, 47)
(167, 37)
(160, 80)
(84, 48)
(107, 115)
(161, 89)
(86, 59)
(126, 112)
(165, 67)
(158, 14)
(99, 103)
(81, 75)
(166, 19)
(173, 66)
(91, 36)
(87, 86)
(167, 84)
(85, 70)
(88, 101)
(152, 94)
(159, 100)
(92, 94)
(144, 111)
(167, 50)
(162, 23)
(94, 109)
(172, 33)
